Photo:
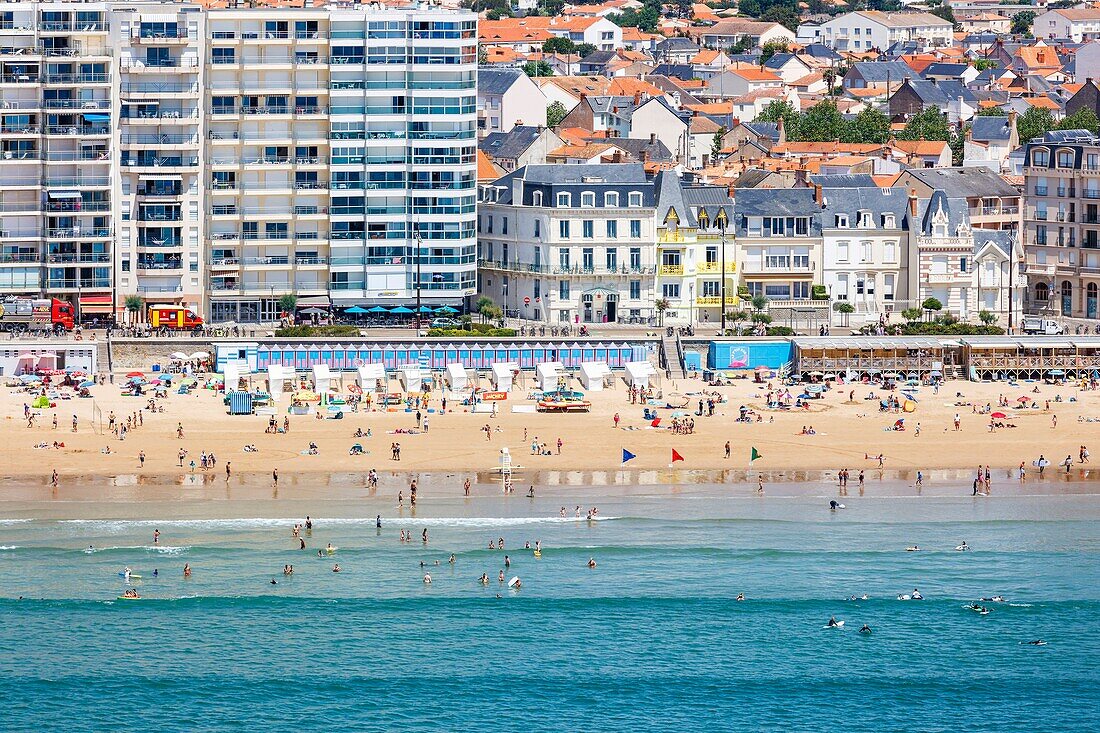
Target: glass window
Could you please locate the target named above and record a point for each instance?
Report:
(564, 200)
(563, 229)
(611, 199)
(670, 290)
(612, 229)
(635, 289)
(634, 199)
(587, 229)
(588, 199)
(563, 289)
(563, 259)
(612, 259)
(635, 228)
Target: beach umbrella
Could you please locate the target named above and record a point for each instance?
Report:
(377, 309)
(314, 311)
(26, 355)
(401, 309)
(31, 378)
(139, 375)
(1023, 399)
(425, 309)
(356, 310)
(999, 415)
(88, 383)
(446, 309)
(178, 355)
(200, 355)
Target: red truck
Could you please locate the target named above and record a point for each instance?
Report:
(36, 314)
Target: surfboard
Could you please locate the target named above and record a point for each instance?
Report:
(132, 576)
(514, 581)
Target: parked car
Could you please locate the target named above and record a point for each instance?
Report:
(445, 323)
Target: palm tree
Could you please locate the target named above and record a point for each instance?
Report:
(134, 304)
(661, 305)
(844, 308)
(482, 305)
(287, 304)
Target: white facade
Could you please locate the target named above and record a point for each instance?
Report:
(865, 264)
(513, 100)
(865, 30)
(1079, 25)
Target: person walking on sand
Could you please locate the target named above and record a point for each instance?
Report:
(54, 479)
(1053, 422)
(466, 487)
(560, 444)
(958, 421)
(141, 459)
(615, 419)
(228, 470)
(275, 477)
(727, 449)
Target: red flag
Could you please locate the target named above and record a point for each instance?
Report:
(676, 456)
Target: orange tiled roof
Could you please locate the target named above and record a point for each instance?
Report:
(755, 74)
(1044, 102)
(713, 108)
(487, 170)
(920, 147)
(575, 135)
(1038, 57)
(705, 56)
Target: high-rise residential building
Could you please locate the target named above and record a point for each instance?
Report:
(225, 158)
(339, 138)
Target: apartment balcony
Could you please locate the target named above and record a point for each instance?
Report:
(76, 206)
(159, 89)
(165, 37)
(165, 163)
(277, 260)
(78, 130)
(19, 78)
(72, 26)
(26, 182)
(541, 269)
(715, 267)
(153, 243)
(94, 156)
(1090, 194)
(81, 104)
(82, 53)
(160, 66)
(32, 129)
(167, 268)
(21, 258)
(798, 272)
(20, 234)
(69, 258)
(21, 207)
(160, 288)
(78, 233)
(183, 116)
(77, 182)
(716, 300)
(671, 270)
(76, 79)
(100, 283)
(949, 278)
(144, 140)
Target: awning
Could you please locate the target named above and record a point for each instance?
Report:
(160, 177)
(95, 303)
(96, 118)
(313, 300)
(64, 194)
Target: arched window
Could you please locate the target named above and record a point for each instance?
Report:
(1067, 289)
(1040, 157)
(1091, 290)
(536, 198)
(1042, 292)
(1065, 158)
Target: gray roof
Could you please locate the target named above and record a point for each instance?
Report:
(657, 151)
(598, 57)
(960, 182)
(844, 180)
(684, 72)
(956, 209)
(769, 130)
(821, 51)
(496, 81)
(677, 43)
(878, 71)
(942, 69)
(986, 129)
(752, 178)
(851, 201)
(777, 61)
(601, 172)
(624, 177)
(941, 92)
(510, 144)
(689, 200)
(776, 202)
(999, 238)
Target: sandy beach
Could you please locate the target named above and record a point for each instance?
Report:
(849, 434)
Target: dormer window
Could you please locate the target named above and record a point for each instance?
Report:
(536, 198)
(865, 220)
(565, 200)
(588, 200)
(634, 199)
(611, 199)
(888, 221)
(841, 221)
(1065, 158)
(1040, 157)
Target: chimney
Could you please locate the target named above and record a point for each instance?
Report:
(637, 98)
(817, 193)
(652, 138)
(782, 132)
(913, 203)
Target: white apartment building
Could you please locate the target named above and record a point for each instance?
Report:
(570, 243)
(1077, 24)
(260, 152)
(342, 162)
(864, 30)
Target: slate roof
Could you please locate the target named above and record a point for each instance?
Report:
(511, 144)
(852, 200)
(878, 71)
(496, 81)
(776, 202)
(987, 129)
(960, 182)
(942, 69)
(941, 92)
(999, 238)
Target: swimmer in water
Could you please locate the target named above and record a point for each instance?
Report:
(320, 554)
(832, 622)
(378, 522)
(427, 579)
(186, 570)
(330, 549)
(484, 580)
(1037, 642)
(452, 559)
(740, 596)
(336, 568)
(303, 546)
(591, 562)
(865, 629)
(501, 576)
(507, 562)
(274, 582)
(155, 573)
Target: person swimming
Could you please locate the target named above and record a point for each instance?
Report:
(740, 597)
(501, 576)
(336, 568)
(303, 545)
(274, 582)
(484, 579)
(833, 622)
(378, 522)
(452, 559)
(591, 562)
(330, 549)
(963, 546)
(427, 579)
(865, 629)
(916, 595)
(155, 573)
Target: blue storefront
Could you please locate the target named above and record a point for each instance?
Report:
(749, 354)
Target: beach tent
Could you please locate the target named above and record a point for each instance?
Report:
(41, 401)
(639, 373)
(593, 374)
(321, 378)
(501, 375)
(547, 373)
(232, 377)
(276, 380)
(369, 376)
(412, 377)
(456, 377)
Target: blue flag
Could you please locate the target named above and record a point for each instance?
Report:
(628, 456)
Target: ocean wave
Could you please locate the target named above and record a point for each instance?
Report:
(9, 547)
(160, 549)
(122, 525)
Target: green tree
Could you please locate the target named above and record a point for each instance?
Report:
(931, 305)
(784, 15)
(558, 44)
(555, 113)
(538, 68)
(482, 55)
(983, 64)
(1022, 22)
(1082, 119)
(1036, 122)
(957, 143)
(716, 144)
(911, 314)
(869, 126)
(928, 124)
(845, 308)
(944, 11)
(992, 112)
(287, 303)
(134, 304)
(771, 48)
(498, 13)
(987, 317)
(821, 122)
(661, 305)
(583, 49)
(781, 109)
(484, 306)
(759, 302)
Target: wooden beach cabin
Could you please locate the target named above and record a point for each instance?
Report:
(1005, 358)
(870, 357)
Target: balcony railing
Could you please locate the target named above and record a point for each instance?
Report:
(78, 233)
(82, 284)
(82, 130)
(671, 270)
(83, 104)
(166, 35)
(71, 206)
(75, 258)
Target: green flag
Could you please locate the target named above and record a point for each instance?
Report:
(755, 455)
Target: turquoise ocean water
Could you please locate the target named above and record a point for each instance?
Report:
(652, 639)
